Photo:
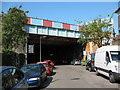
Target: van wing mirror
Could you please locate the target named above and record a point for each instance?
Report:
(107, 57)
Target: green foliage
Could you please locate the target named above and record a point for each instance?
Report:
(95, 31)
(11, 58)
(13, 32)
(20, 60)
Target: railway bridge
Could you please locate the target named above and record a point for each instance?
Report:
(52, 40)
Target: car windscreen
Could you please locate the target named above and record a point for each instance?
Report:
(26, 68)
(45, 64)
(115, 55)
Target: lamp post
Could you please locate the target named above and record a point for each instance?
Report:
(41, 45)
(40, 48)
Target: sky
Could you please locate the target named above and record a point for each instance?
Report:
(67, 12)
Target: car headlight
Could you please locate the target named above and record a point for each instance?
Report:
(116, 68)
(31, 79)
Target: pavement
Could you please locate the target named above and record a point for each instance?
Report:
(70, 76)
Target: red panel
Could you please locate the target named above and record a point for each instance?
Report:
(47, 23)
(66, 26)
(80, 28)
(29, 20)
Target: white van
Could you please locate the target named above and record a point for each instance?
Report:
(107, 62)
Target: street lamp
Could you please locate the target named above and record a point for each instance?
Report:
(40, 46)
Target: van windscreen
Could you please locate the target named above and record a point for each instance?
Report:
(115, 55)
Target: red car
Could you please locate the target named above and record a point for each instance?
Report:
(48, 67)
(51, 63)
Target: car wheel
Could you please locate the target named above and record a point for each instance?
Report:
(90, 69)
(111, 78)
(97, 73)
(40, 83)
(51, 73)
(46, 78)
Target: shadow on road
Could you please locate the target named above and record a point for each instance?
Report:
(103, 76)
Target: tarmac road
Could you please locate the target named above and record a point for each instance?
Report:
(70, 76)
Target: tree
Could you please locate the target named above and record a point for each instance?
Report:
(95, 31)
(13, 32)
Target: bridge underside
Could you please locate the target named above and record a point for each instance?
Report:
(60, 50)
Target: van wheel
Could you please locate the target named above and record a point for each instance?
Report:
(111, 78)
(97, 73)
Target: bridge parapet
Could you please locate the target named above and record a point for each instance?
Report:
(52, 28)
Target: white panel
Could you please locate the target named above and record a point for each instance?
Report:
(39, 30)
(70, 34)
(52, 31)
(32, 29)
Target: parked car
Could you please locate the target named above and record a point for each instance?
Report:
(75, 62)
(83, 62)
(51, 63)
(36, 74)
(90, 65)
(11, 78)
(49, 68)
(107, 59)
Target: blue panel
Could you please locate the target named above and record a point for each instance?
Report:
(57, 25)
(36, 22)
(70, 33)
(52, 31)
(77, 34)
(44, 30)
(74, 27)
(77, 29)
(39, 30)
(27, 28)
(93, 56)
(61, 33)
(32, 29)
